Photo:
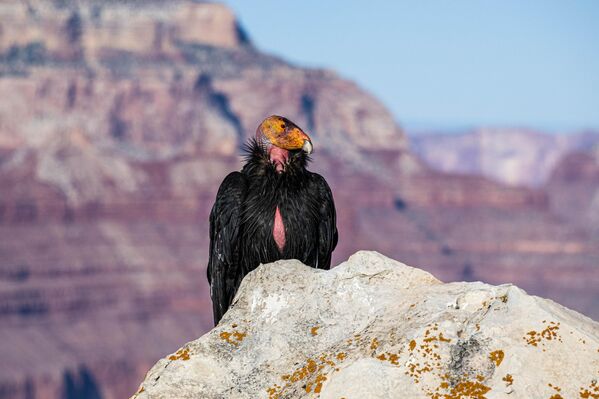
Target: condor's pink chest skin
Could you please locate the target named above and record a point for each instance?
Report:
(278, 156)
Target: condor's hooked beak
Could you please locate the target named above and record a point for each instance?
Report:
(283, 133)
(307, 147)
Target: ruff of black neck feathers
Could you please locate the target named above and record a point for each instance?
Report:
(257, 160)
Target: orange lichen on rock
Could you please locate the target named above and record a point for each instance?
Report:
(273, 392)
(590, 392)
(181, 354)
(509, 380)
(428, 347)
(302, 372)
(461, 390)
(426, 357)
(555, 395)
(532, 338)
(440, 337)
(314, 330)
(467, 389)
(393, 359)
(320, 378)
(443, 339)
(496, 357)
(412, 345)
(549, 333)
(415, 370)
(310, 374)
(325, 360)
(390, 357)
(374, 344)
(558, 389)
(233, 338)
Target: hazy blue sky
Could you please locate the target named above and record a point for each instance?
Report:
(454, 63)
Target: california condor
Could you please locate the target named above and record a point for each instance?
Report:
(273, 209)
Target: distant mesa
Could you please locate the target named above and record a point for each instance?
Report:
(68, 30)
(519, 157)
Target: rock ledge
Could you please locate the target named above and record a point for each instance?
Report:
(376, 328)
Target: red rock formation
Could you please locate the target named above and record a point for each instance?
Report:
(516, 156)
(574, 190)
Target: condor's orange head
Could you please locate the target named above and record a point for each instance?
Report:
(283, 133)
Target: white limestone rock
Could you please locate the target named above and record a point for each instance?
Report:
(376, 328)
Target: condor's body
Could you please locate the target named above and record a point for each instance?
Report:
(266, 212)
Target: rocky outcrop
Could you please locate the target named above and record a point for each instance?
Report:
(92, 29)
(376, 328)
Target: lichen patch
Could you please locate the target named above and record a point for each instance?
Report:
(412, 345)
(466, 389)
(234, 338)
(549, 333)
(311, 374)
(496, 357)
(590, 392)
(374, 344)
(557, 389)
(181, 354)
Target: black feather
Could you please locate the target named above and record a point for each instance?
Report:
(242, 218)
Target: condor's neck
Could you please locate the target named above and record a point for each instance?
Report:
(260, 158)
(278, 157)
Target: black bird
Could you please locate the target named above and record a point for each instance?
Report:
(273, 209)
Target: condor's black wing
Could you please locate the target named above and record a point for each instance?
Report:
(223, 263)
(327, 228)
